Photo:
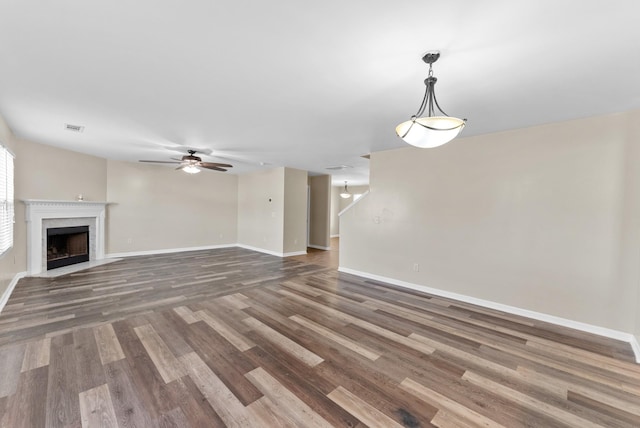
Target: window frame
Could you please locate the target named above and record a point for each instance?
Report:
(7, 200)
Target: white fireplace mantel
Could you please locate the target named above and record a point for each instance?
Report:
(39, 210)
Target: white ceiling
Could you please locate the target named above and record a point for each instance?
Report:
(303, 84)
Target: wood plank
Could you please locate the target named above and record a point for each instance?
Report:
(338, 338)
(194, 405)
(286, 402)
(528, 401)
(62, 384)
(307, 383)
(11, 358)
(89, 372)
(128, 401)
(361, 409)
(224, 360)
(284, 343)
(36, 354)
(445, 419)
(186, 314)
(432, 397)
(170, 328)
(139, 371)
(27, 407)
(407, 341)
(174, 418)
(224, 330)
(96, 408)
(108, 345)
(165, 362)
(226, 405)
(265, 412)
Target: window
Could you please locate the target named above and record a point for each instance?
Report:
(6, 200)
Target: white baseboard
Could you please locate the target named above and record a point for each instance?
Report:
(167, 250)
(318, 247)
(206, 247)
(273, 253)
(334, 236)
(636, 347)
(260, 250)
(7, 293)
(294, 253)
(576, 325)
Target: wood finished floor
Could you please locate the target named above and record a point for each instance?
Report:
(235, 338)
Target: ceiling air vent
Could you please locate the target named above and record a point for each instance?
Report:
(338, 167)
(73, 128)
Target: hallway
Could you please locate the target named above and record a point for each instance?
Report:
(324, 258)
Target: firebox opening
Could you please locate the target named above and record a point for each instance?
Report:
(67, 246)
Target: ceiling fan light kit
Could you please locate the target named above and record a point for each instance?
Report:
(190, 169)
(437, 127)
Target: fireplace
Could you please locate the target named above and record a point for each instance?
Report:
(67, 246)
(44, 214)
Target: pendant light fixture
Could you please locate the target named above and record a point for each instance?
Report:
(437, 127)
(345, 193)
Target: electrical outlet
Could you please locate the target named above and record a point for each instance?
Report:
(416, 267)
(129, 241)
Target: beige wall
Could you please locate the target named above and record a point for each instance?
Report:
(320, 189)
(261, 210)
(272, 210)
(334, 224)
(45, 172)
(295, 211)
(156, 207)
(629, 230)
(544, 219)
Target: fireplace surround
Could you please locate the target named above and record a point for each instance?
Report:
(44, 214)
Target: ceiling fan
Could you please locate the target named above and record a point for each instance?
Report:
(191, 163)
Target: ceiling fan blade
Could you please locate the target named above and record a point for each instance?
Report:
(210, 164)
(152, 161)
(212, 167)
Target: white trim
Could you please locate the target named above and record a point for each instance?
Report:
(318, 247)
(7, 293)
(636, 347)
(294, 253)
(206, 247)
(168, 250)
(334, 236)
(576, 325)
(260, 250)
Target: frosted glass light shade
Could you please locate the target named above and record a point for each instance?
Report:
(429, 132)
(191, 169)
(345, 195)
